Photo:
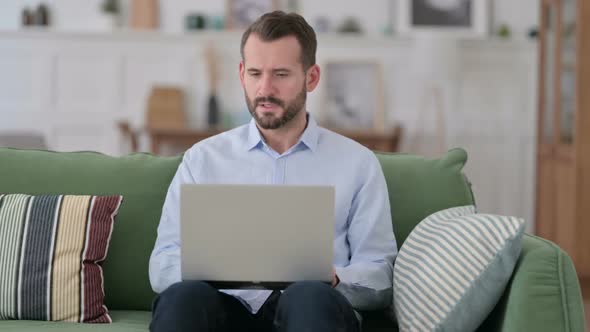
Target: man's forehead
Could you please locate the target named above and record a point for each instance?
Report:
(282, 52)
(275, 66)
(255, 39)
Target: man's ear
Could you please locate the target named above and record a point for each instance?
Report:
(312, 77)
(241, 72)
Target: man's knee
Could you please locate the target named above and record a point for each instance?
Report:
(186, 306)
(314, 306)
(309, 292)
(309, 288)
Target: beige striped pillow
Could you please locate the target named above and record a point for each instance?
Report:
(51, 250)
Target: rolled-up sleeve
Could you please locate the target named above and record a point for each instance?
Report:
(367, 282)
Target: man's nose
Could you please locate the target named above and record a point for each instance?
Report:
(266, 86)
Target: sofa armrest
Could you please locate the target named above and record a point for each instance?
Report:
(543, 294)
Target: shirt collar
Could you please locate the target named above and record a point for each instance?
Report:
(254, 137)
(309, 137)
(311, 134)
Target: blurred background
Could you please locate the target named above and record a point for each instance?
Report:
(497, 78)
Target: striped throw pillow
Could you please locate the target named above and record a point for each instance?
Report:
(453, 268)
(51, 249)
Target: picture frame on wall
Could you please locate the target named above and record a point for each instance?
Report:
(353, 97)
(463, 18)
(241, 13)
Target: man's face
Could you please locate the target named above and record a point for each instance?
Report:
(275, 84)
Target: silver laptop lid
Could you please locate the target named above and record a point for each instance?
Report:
(250, 235)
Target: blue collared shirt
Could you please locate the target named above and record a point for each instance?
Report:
(364, 243)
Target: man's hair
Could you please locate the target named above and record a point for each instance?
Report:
(278, 24)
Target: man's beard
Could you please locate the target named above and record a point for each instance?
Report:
(270, 121)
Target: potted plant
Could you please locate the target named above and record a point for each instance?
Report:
(110, 10)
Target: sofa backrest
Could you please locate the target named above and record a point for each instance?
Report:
(417, 188)
(143, 181)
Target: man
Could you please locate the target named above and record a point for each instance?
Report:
(282, 145)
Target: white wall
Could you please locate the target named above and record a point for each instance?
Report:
(373, 14)
(74, 86)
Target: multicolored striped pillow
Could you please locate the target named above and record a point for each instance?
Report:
(453, 268)
(51, 250)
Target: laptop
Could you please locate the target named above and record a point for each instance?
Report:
(256, 236)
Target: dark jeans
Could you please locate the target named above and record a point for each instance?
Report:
(303, 306)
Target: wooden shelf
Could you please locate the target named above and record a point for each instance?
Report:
(185, 137)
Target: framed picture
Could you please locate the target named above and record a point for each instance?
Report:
(242, 13)
(466, 18)
(353, 96)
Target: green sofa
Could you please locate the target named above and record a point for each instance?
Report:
(543, 294)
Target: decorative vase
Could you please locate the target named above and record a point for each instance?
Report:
(41, 16)
(144, 14)
(27, 17)
(212, 111)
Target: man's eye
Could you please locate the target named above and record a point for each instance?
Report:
(254, 74)
(282, 74)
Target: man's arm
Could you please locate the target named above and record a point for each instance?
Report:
(367, 282)
(165, 259)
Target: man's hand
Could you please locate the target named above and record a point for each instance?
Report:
(335, 279)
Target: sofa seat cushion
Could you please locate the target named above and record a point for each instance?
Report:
(123, 321)
(132, 321)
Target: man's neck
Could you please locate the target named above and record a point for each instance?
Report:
(284, 138)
